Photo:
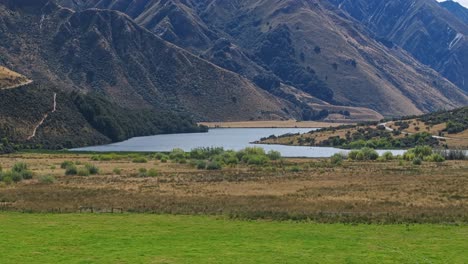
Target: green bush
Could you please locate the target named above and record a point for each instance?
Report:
(295, 169)
(352, 155)
(93, 170)
(47, 179)
(434, 158)
(19, 167)
(142, 172)
(16, 176)
(417, 161)
(213, 165)
(7, 179)
(66, 164)
(26, 174)
(117, 171)
(201, 165)
(139, 159)
(337, 159)
(255, 159)
(177, 154)
(152, 173)
(71, 170)
(83, 172)
(274, 155)
(363, 154)
(164, 159)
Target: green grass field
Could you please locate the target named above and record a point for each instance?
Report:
(141, 238)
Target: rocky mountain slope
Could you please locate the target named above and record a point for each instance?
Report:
(422, 27)
(106, 52)
(307, 45)
(458, 10)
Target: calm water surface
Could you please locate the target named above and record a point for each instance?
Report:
(228, 138)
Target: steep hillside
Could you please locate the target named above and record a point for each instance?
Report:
(458, 10)
(303, 44)
(422, 27)
(106, 52)
(331, 56)
(36, 115)
(175, 20)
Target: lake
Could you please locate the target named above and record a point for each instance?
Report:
(228, 138)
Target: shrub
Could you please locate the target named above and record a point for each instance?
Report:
(337, 159)
(417, 161)
(19, 167)
(71, 170)
(152, 173)
(142, 172)
(93, 170)
(139, 159)
(213, 165)
(177, 154)
(66, 164)
(164, 159)
(47, 179)
(201, 165)
(7, 179)
(295, 169)
(83, 172)
(352, 155)
(117, 171)
(370, 154)
(387, 156)
(16, 176)
(274, 155)
(435, 157)
(26, 174)
(422, 151)
(253, 159)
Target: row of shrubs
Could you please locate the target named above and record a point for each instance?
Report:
(71, 169)
(210, 158)
(415, 155)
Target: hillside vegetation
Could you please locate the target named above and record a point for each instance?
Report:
(440, 129)
(79, 120)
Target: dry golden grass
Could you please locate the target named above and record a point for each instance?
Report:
(10, 79)
(293, 188)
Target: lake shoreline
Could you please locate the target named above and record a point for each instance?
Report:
(272, 124)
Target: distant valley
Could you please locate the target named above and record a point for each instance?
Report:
(118, 65)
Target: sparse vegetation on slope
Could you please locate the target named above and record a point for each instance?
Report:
(443, 129)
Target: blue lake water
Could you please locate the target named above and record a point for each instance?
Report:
(228, 138)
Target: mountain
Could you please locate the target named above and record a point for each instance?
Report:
(458, 10)
(105, 52)
(305, 44)
(422, 27)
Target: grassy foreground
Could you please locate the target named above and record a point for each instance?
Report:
(142, 238)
